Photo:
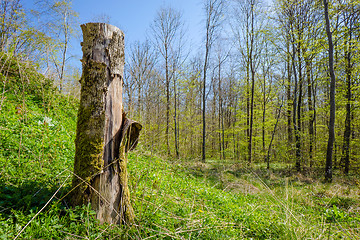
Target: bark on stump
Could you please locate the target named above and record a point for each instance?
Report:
(104, 134)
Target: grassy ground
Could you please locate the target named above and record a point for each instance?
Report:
(229, 201)
(172, 199)
(187, 200)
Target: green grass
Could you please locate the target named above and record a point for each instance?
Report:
(226, 201)
(172, 199)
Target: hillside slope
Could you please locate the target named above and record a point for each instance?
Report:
(172, 199)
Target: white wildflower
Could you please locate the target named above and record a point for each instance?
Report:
(46, 121)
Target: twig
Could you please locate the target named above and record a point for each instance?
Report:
(103, 231)
(71, 234)
(272, 193)
(41, 208)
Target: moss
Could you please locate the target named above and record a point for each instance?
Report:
(89, 143)
(127, 210)
(103, 60)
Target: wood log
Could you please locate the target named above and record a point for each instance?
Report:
(104, 134)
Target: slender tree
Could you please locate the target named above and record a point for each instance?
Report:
(10, 20)
(267, 158)
(248, 31)
(331, 139)
(214, 10)
(251, 31)
(167, 30)
(349, 23)
(58, 20)
(141, 64)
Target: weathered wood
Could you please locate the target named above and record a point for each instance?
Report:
(103, 133)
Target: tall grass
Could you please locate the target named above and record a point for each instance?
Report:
(173, 199)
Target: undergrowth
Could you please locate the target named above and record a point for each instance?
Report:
(172, 199)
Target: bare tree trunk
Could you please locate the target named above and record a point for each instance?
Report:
(252, 69)
(221, 114)
(347, 132)
(251, 115)
(299, 103)
(288, 95)
(214, 11)
(311, 113)
(203, 156)
(295, 103)
(223, 132)
(167, 27)
(263, 115)
(267, 158)
(167, 78)
(329, 152)
(104, 134)
(221, 149)
(176, 132)
(219, 125)
(66, 41)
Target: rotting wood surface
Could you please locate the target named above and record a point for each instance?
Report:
(104, 134)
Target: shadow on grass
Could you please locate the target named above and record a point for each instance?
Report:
(26, 197)
(221, 173)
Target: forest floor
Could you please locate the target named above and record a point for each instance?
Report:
(172, 199)
(190, 200)
(228, 200)
(181, 200)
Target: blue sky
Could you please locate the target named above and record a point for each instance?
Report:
(135, 16)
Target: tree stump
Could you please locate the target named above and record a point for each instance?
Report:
(104, 134)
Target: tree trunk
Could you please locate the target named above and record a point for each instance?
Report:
(221, 149)
(267, 158)
(251, 114)
(176, 132)
(66, 41)
(288, 96)
(299, 103)
(247, 102)
(252, 69)
(104, 135)
(311, 112)
(207, 51)
(263, 118)
(295, 103)
(167, 101)
(329, 152)
(347, 132)
(203, 156)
